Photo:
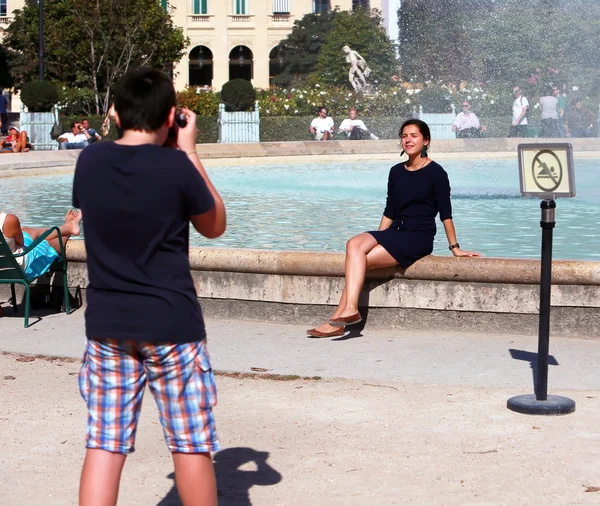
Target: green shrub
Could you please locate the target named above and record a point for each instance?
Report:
(435, 99)
(203, 103)
(39, 96)
(238, 95)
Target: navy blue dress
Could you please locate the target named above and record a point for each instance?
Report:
(414, 199)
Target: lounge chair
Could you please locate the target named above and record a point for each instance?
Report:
(11, 272)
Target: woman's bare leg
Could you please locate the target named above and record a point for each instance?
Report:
(67, 229)
(21, 144)
(362, 253)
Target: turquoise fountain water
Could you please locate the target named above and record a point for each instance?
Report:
(319, 206)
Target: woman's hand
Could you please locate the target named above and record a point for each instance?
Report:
(457, 252)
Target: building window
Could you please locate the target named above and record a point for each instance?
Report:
(163, 4)
(200, 6)
(240, 7)
(3, 7)
(320, 6)
(281, 6)
(360, 4)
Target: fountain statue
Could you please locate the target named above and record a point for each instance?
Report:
(359, 70)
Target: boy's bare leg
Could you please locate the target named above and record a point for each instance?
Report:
(100, 477)
(195, 479)
(67, 229)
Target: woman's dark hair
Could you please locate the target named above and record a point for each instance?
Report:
(144, 98)
(421, 125)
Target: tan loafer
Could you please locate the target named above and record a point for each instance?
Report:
(345, 320)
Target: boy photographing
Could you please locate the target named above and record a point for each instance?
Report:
(143, 320)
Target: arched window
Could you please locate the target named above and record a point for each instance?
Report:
(275, 62)
(241, 65)
(201, 66)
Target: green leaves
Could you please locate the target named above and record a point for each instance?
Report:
(92, 43)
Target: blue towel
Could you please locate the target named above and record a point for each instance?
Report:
(39, 259)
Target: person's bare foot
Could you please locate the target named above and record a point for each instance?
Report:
(72, 220)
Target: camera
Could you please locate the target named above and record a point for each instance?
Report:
(180, 119)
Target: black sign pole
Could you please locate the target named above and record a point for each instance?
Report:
(547, 223)
(541, 403)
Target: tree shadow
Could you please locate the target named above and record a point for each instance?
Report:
(233, 483)
(532, 358)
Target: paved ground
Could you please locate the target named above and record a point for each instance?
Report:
(395, 419)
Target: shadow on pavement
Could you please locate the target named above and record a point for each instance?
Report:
(233, 483)
(532, 358)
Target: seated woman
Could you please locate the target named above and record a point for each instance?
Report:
(16, 142)
(418, 190)
(39, 259)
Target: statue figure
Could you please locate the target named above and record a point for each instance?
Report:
(358, 66)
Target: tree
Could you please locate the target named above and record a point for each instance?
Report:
(6, 80)
(535, 44)
(91, 44)
(434, 44)
(300, 49)
(363, 31)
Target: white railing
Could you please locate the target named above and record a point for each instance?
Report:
(440, 125)
(281, 18)
(241, 18)
(239, 126)
(200, 18)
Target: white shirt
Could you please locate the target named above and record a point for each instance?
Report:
(322, 124)
(466, 120)
(71, 137)
(518, 105)
(348, 124)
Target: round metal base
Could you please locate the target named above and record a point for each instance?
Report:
(529, 405)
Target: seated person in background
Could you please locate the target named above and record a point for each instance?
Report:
(93, 134)
(16, 142)
(356, 128)
(77, 138)
(579, 121)
(466, 124)
(322, 126)
(40, 258)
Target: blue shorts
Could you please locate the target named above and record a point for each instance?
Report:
(112, 381)
(39, 259)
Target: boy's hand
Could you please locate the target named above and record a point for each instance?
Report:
(186, 137)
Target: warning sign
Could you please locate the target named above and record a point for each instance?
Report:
(546, 170)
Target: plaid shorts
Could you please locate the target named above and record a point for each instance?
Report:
(112, 383)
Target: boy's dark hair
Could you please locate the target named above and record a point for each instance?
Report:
(74, 123)
(143, 99)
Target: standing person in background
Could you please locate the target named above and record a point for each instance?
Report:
(3, 114)
(562, 108)
(549, 112)
(143, 320)
(322, 126)
(520, 109)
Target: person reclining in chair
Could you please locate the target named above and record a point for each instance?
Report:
(39, 259)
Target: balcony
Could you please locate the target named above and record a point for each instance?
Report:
(242, 20)
(200, 21)
(5, 20)
(280, 20)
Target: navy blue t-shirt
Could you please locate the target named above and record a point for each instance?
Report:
(136, 203)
